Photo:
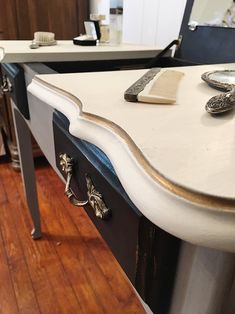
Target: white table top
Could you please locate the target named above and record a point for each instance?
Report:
(65, 50)
(182, 141)
(176, 162)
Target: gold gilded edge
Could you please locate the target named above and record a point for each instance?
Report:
(209, 201)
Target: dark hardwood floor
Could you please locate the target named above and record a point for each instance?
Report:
(70, 270)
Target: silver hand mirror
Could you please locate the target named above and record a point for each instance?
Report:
(221, 103)
(224, 81)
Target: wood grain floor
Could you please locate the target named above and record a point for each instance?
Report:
(70, 270)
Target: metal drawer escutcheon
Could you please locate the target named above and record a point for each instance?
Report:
(94, 197)
(66, 163)
(6, 86)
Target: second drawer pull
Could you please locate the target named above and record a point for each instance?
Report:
(95, 199)
(66, 163)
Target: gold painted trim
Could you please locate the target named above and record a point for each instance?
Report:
(209, 201)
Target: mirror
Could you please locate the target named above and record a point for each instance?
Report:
(220, 13)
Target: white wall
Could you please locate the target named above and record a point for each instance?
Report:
(170, 17)
(154, 22)
(100, 6)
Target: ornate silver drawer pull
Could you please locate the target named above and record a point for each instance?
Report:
(66, 163)
(6, 85)
(95, 199)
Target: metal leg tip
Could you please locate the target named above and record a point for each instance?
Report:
(36, 234)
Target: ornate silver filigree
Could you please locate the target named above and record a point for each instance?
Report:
(221, 103)
(66, 163)
(222, 79)
(132, 92)
(95, 199)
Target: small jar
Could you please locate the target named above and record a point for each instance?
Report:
(103, 29)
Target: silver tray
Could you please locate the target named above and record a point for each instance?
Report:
(222, 80)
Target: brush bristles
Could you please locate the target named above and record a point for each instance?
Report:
(44, 37)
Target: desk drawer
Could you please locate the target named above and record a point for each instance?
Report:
(146, 253)
(14, 85)
(122, 225)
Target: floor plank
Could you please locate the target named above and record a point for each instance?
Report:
(8, 302)
(46, 272)
(69, 270)
(26, 299)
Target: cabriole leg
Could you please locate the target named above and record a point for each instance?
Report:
(27, 170)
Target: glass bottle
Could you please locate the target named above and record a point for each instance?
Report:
(115, 22)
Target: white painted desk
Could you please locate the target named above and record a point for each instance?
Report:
(66, 57)
(175, 162)
(19, 51)
(177, 153)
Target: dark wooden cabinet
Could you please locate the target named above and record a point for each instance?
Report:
(21, 18)
(1, 23)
